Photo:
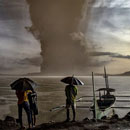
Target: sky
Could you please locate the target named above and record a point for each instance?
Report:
(98, 36)
(109, 30)
(19, 50)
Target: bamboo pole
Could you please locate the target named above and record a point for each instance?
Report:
(94, 97)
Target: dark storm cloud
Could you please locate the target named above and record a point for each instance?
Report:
(12, 9)
(121, 56)
(102, 54)
(110, 54)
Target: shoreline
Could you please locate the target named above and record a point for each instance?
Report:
(114, 123)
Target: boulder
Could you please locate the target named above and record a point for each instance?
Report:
(127, 117)
(115, 117)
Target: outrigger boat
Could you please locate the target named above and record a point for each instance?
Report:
(102, 107)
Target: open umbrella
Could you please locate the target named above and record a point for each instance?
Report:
(72, 80)
(23, 84)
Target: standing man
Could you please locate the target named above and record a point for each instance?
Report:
(71, 93)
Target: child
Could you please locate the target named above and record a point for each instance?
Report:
(32, 96)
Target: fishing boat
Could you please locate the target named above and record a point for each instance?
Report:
(102, 105)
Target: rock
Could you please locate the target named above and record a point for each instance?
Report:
(127, 117)
(9, 119)
(115, 117)
(8, 124)
(104, 118)
(86, 119)
(93, 120)
(104, 127)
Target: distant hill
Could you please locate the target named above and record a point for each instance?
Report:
(122, 74)
(125, 73)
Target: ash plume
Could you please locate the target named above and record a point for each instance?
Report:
(61, 27)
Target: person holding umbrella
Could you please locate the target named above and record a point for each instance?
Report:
(71, 93)
(23, 86)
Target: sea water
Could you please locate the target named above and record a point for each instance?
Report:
(51, 94)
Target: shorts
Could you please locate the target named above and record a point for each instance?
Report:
(70, 103)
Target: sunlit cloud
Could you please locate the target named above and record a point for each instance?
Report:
(112, 3)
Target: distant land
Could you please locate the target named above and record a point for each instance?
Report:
(122, 74)
(125, 74)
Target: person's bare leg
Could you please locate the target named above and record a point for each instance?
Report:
(67, 114)
(74, 113)
(34, 120)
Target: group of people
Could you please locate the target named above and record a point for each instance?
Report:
(27, 100)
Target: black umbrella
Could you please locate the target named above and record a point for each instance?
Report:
(23, 84)
(72, 80)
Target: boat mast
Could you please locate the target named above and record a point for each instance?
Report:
(94, 98)
(106, 78)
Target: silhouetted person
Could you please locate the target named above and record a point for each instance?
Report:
(71, 93)
(23, 103)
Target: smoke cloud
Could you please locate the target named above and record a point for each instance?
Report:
(61, 26)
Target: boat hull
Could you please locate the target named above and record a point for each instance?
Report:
(108, 113)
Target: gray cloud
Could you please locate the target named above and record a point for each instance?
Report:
(109, 27)
(110, 54)
(19, 50)
(36, 61)
(16, 10)
(102, 54)
(10, 65)
(121, 56)
(100, 63)
(7, 62)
